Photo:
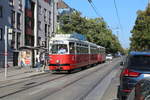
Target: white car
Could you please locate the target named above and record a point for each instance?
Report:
(109, 57)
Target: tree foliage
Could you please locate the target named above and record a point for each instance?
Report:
(95, 30)
(140, 39)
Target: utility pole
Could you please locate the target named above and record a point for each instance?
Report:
(35, 28)
(7, 30)
(6, 54)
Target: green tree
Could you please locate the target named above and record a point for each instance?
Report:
(140, 39)
(95, 30)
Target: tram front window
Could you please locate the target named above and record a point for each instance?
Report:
(59, 49)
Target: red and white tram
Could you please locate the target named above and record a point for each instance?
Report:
(70, 51)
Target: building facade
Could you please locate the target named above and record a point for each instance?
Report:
(11, 16)
(33, 23)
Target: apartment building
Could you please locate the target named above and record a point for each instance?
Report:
(33, 23)
(11, 14)
(40, 23)
(44, 22)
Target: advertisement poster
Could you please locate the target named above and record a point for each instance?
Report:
(25, 58)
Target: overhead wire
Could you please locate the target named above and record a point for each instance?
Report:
(118, 18)
(117, 13)
(94, 8)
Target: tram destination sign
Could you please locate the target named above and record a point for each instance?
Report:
(58, 42)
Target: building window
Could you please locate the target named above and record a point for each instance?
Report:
(49, 17)
(39, 25)
(46, 29)
(49, 28)
(18, 40)
(40, 9)
(39, 41)
(58, 18)
(18, 21)
(1, 32)
(43, 43)
(13, 40)
(20, 4)
(13, 19)
(11, 3)
(45, 14)
(46, 0)
(1, 11)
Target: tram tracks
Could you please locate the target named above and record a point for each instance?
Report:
(76, 80)
(96, 84)
(22, 80)
(28, 86)
(81, 97)
(33, 84)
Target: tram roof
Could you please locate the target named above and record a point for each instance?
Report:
(73, 35)
(101, 47)
(72, 38)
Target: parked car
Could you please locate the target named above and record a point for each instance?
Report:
(109, 57)
(141, 91)
(135, 67)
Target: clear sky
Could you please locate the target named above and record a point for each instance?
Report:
(127, 12)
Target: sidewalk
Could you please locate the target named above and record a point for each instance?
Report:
(17, 73)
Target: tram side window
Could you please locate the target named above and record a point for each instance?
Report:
(54, 49)
(85, 50)
(93, 51)
(59, 49)
(72, 48)
(81, 50)
(78, 50)
(101, 50)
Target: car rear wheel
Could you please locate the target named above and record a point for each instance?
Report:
(119, 95)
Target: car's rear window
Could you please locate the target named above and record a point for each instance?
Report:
(139, 62)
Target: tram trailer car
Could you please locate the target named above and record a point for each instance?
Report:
(101, 54)
(67, 53)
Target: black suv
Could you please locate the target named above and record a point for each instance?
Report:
(135, 67)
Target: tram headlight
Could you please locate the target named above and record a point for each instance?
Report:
(57, 61)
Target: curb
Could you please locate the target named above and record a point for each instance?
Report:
(33, 74)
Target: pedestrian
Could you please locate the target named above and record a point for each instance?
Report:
(42, 61)
(47, 58)
(38, 64)
(62, 50)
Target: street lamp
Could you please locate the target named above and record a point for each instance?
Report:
(7, 30)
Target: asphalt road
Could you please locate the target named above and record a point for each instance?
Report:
(95, 83)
